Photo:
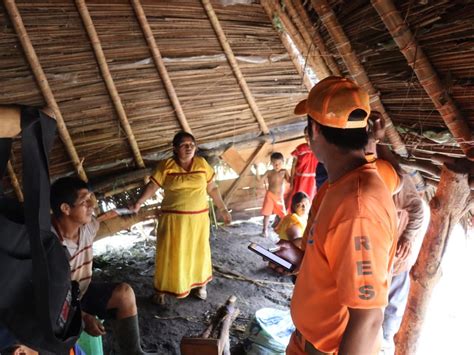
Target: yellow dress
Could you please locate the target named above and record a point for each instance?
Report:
(291, 220)
(183, 253)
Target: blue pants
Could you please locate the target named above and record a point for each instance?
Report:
(393, 315)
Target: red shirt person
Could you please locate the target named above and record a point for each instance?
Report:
(303, 171)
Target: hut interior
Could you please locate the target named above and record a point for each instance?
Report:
(122, 77)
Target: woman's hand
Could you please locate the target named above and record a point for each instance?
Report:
(92, 325)
(226, 216)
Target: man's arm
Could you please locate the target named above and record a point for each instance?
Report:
(361, 332)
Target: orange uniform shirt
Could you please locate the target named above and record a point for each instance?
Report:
(348, 256)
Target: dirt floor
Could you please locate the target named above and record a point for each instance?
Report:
(237, 271)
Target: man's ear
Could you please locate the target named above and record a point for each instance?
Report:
(65, 208)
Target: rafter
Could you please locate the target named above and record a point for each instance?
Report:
(322, 68)
(308, 50)
(317, 39)
(109, 82)
(288, 46)
(43, 84)
(427, 76)
(234, 65)
(358, 73)
(235, 185)
(14, 182)
(160, 65)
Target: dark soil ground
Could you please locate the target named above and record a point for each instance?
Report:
(237, 271)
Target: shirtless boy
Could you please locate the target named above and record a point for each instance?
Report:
(274, 179)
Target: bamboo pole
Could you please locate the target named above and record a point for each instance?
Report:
(288, 46)
(308, 39)
(451, 202)
(427, 76)
(160, 65)
(234, 65)
(248, 165)
(318, 41)
(358, 73)
(109, 82)
(306, 48)
(14, 181)
(43, 83)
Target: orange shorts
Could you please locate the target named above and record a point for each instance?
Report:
(272, 204)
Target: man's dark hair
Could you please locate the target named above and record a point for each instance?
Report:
(10, 350)
(346, 139)
(64, 190)
(276, 156)
(297, 198)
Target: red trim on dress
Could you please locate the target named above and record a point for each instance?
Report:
(156, 182)
(186, 293)
(80, 266)
(212, 177)
(185, 212)
(81, 251)
(187, 173)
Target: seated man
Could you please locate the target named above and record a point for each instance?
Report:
(76, 227)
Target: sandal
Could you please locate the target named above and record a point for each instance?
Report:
(158, 298)
(201, 292)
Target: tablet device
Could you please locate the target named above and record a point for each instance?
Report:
(267, 254)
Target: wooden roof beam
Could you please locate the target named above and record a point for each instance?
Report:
(233, 64)
(358, 73)
(14, 182)
(160, 65)
(109, 82)
(323, 69)
(426, 74)
(288, 46)
(43, 84)
(314, 34)
(309, 51)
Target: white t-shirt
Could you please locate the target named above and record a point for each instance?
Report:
(80, 255)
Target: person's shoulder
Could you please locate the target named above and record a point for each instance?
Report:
(89, 230)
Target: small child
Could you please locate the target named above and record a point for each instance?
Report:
(292, 226)
(275, 179)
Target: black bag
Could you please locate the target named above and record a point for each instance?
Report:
(38, 303)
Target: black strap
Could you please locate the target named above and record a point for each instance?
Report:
(5, 148)
(37, 139)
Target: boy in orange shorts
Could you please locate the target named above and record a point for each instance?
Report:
(273, 202)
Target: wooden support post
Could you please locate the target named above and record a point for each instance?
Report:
(109, 82)
(160, 65)
(250, 161)
(309, 52)
(284, 37)
(43, 84)
(14, 181)
(233, 64)
(322, 70)
(451, 202)
(318, 40)
(427, 76)
(358, 73)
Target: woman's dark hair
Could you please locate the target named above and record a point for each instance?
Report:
(10, 350)
(179, 137)
(347, 139)
(297, 198)
(64, 190)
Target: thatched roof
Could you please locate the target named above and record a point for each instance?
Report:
(210, 93)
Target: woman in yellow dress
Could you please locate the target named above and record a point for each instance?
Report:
(183, 253)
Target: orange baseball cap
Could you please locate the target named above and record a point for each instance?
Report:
(336, 102)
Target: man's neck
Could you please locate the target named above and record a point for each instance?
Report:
(68, 229)
(342, 163)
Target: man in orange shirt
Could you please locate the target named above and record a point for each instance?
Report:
(343, 282)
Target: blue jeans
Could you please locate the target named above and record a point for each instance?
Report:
(393, 315)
